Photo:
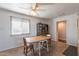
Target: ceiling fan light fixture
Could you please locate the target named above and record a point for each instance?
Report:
(33, 13)
(33, 7)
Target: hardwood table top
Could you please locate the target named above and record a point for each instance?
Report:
(37, 39)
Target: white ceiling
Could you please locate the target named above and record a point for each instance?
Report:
(48, 9)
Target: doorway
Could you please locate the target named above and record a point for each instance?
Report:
(61, 31)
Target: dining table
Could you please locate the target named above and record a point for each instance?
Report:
(39, 39)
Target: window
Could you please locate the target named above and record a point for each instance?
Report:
(19, 26)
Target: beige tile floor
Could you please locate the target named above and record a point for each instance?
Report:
(56, 50)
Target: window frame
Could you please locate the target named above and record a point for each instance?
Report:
(11, 26)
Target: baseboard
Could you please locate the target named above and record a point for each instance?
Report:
(72, 45)
(66, 42)
(62, 40)
(9, 48)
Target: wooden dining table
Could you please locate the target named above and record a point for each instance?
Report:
(38, 39)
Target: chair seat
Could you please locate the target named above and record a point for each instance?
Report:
(30, 45)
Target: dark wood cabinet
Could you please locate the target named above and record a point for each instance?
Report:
(42, 29)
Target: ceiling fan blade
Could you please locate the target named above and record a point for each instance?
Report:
(37, 5)
(40, 10)
(30, 7)
(37, 13)
(45, 4)
(34, 13)
(26, 8)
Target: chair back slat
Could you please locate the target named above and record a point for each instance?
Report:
(25, 42)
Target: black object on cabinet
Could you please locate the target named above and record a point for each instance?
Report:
(42, 29)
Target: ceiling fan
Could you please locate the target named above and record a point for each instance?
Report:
(35, 9)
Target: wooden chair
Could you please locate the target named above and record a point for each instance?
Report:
(49, 41)
(28, 47)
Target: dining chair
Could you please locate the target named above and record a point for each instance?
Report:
(42, 46)
(47, 42)
(28, 47)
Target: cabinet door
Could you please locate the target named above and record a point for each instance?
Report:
(42, 29)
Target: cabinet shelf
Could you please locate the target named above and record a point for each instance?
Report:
(42, 29)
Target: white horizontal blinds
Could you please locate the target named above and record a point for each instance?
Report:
(19, 26)
(25, 26)
(16, 25)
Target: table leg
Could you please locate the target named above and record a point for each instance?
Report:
(39, 49)
(47, 47)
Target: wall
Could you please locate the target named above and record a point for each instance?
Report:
(6, 40)
(71, 31)
(78, 32)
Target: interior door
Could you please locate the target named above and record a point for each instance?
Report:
(61, 29)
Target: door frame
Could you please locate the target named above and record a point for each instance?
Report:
(57, 29)
(78, 35)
